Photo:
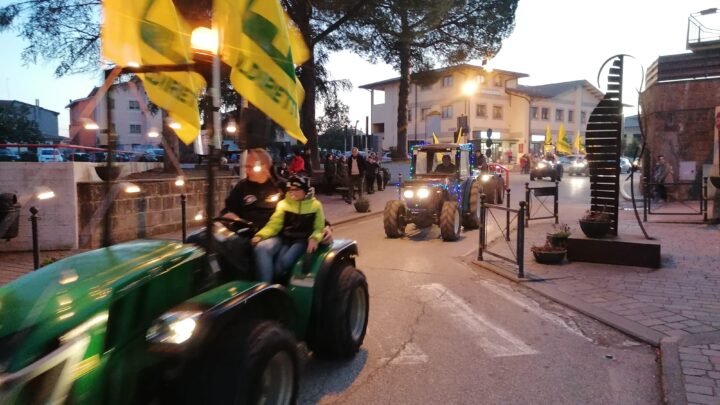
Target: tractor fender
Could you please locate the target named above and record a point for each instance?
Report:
(229, 304)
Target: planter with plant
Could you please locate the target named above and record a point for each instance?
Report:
(559, 236)
(548, 254)
(595, 224)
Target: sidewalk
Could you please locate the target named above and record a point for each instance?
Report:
(337, 211)
(676, 307)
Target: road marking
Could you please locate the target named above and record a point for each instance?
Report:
(533, 307)
(411, 354)
(494, 340)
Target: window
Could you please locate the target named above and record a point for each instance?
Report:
(424, 113)
(544, 112)
(497, 112)
(497, 81)
(133, 105)
(481, 111)
(583, 117)
(534, 113)
(447, 112)
(447, 81)
(571, 116)
(559, 115)
(135, 128)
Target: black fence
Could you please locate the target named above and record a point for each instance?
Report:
(654, 190)
(488, 218)
(540, 195)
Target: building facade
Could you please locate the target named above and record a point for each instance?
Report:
(477, 99)
(135, 125)
(46, 120)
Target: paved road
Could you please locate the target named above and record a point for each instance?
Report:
(442, 332)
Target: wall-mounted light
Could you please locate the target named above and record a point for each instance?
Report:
(199, 216)
(153, 133)
(130, 188)
(180, 181)
(231, 127)
(175, 125)
(43, 193)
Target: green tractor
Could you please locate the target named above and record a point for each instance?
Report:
(155, 321)
(435, 194)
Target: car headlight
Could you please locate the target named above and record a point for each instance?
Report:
(580, 164)
(173, 327)
(541, 165)
(485, 178)
(423, 193)
(408, 194)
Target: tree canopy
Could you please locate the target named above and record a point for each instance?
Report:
(16, 127)
(417, 35)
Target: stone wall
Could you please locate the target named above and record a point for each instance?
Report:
(154, 210)
(680, 121)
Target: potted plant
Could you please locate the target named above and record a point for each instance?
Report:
(548, 254)
(559, 236)
(595, 224)
(362, 205)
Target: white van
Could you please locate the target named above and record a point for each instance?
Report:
(49, 155)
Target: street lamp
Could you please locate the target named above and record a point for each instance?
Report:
(41, 193)
(468, 89)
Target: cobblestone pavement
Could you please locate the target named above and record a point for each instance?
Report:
(680, 300)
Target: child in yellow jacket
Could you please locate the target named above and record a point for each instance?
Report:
(295, 227)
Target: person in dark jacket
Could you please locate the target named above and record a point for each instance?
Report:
(356, 167)
(330, 172)
(372, 168)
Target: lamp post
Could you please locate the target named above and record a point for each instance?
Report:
(468, 89)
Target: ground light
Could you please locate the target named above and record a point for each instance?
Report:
(41, 193)
(180, 182)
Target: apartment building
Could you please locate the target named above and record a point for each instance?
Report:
(442, 100)
(46, 120)
(133, 123)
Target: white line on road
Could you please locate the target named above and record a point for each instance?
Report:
(494, 340)
(532, 306)
(410, 354)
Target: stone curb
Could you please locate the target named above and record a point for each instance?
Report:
(673, 384)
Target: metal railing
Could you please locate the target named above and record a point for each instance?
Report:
(650, 189)
(537, 192)
(486, 213)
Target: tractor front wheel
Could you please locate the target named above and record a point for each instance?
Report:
(450, 221)
(393, 219)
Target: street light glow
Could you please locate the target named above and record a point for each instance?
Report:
(469, 87)
(133, 64)
(153, 133)
(44, 193)
(205, 40)
(175, 125)
(231, 127)
(131, 188)
(89, 124)
(180, 181)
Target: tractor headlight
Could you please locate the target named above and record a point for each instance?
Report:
(485, 178)
(580, 164)
(423, 193)
(408, 194)
(541, 165)
(175, 327)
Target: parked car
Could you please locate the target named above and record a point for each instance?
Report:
(546, 168)
(578, 166)
(386, 158)
(154, 155)
(49, 155)
(7, 155)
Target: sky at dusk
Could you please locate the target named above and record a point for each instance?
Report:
(553, 41)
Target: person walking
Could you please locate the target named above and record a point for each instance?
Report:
(371, 173)
(356, 166)
(330, 172)
(662, 174)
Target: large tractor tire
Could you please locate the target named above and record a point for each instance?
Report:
(393, 219)
(450, 221)
(472, 217)
(255, 364)
(341, 322)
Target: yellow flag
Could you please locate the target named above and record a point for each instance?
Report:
(459, 137)
(150, 32)
(262, 48)
(548, 146)
(435, 138)
(577, 143)
(563, 146)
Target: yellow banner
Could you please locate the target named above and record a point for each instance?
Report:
(577, 143)
(548, 146)
(563, 146)
(435, 138)
(262, 52)
(459, 137)
(150, 32)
